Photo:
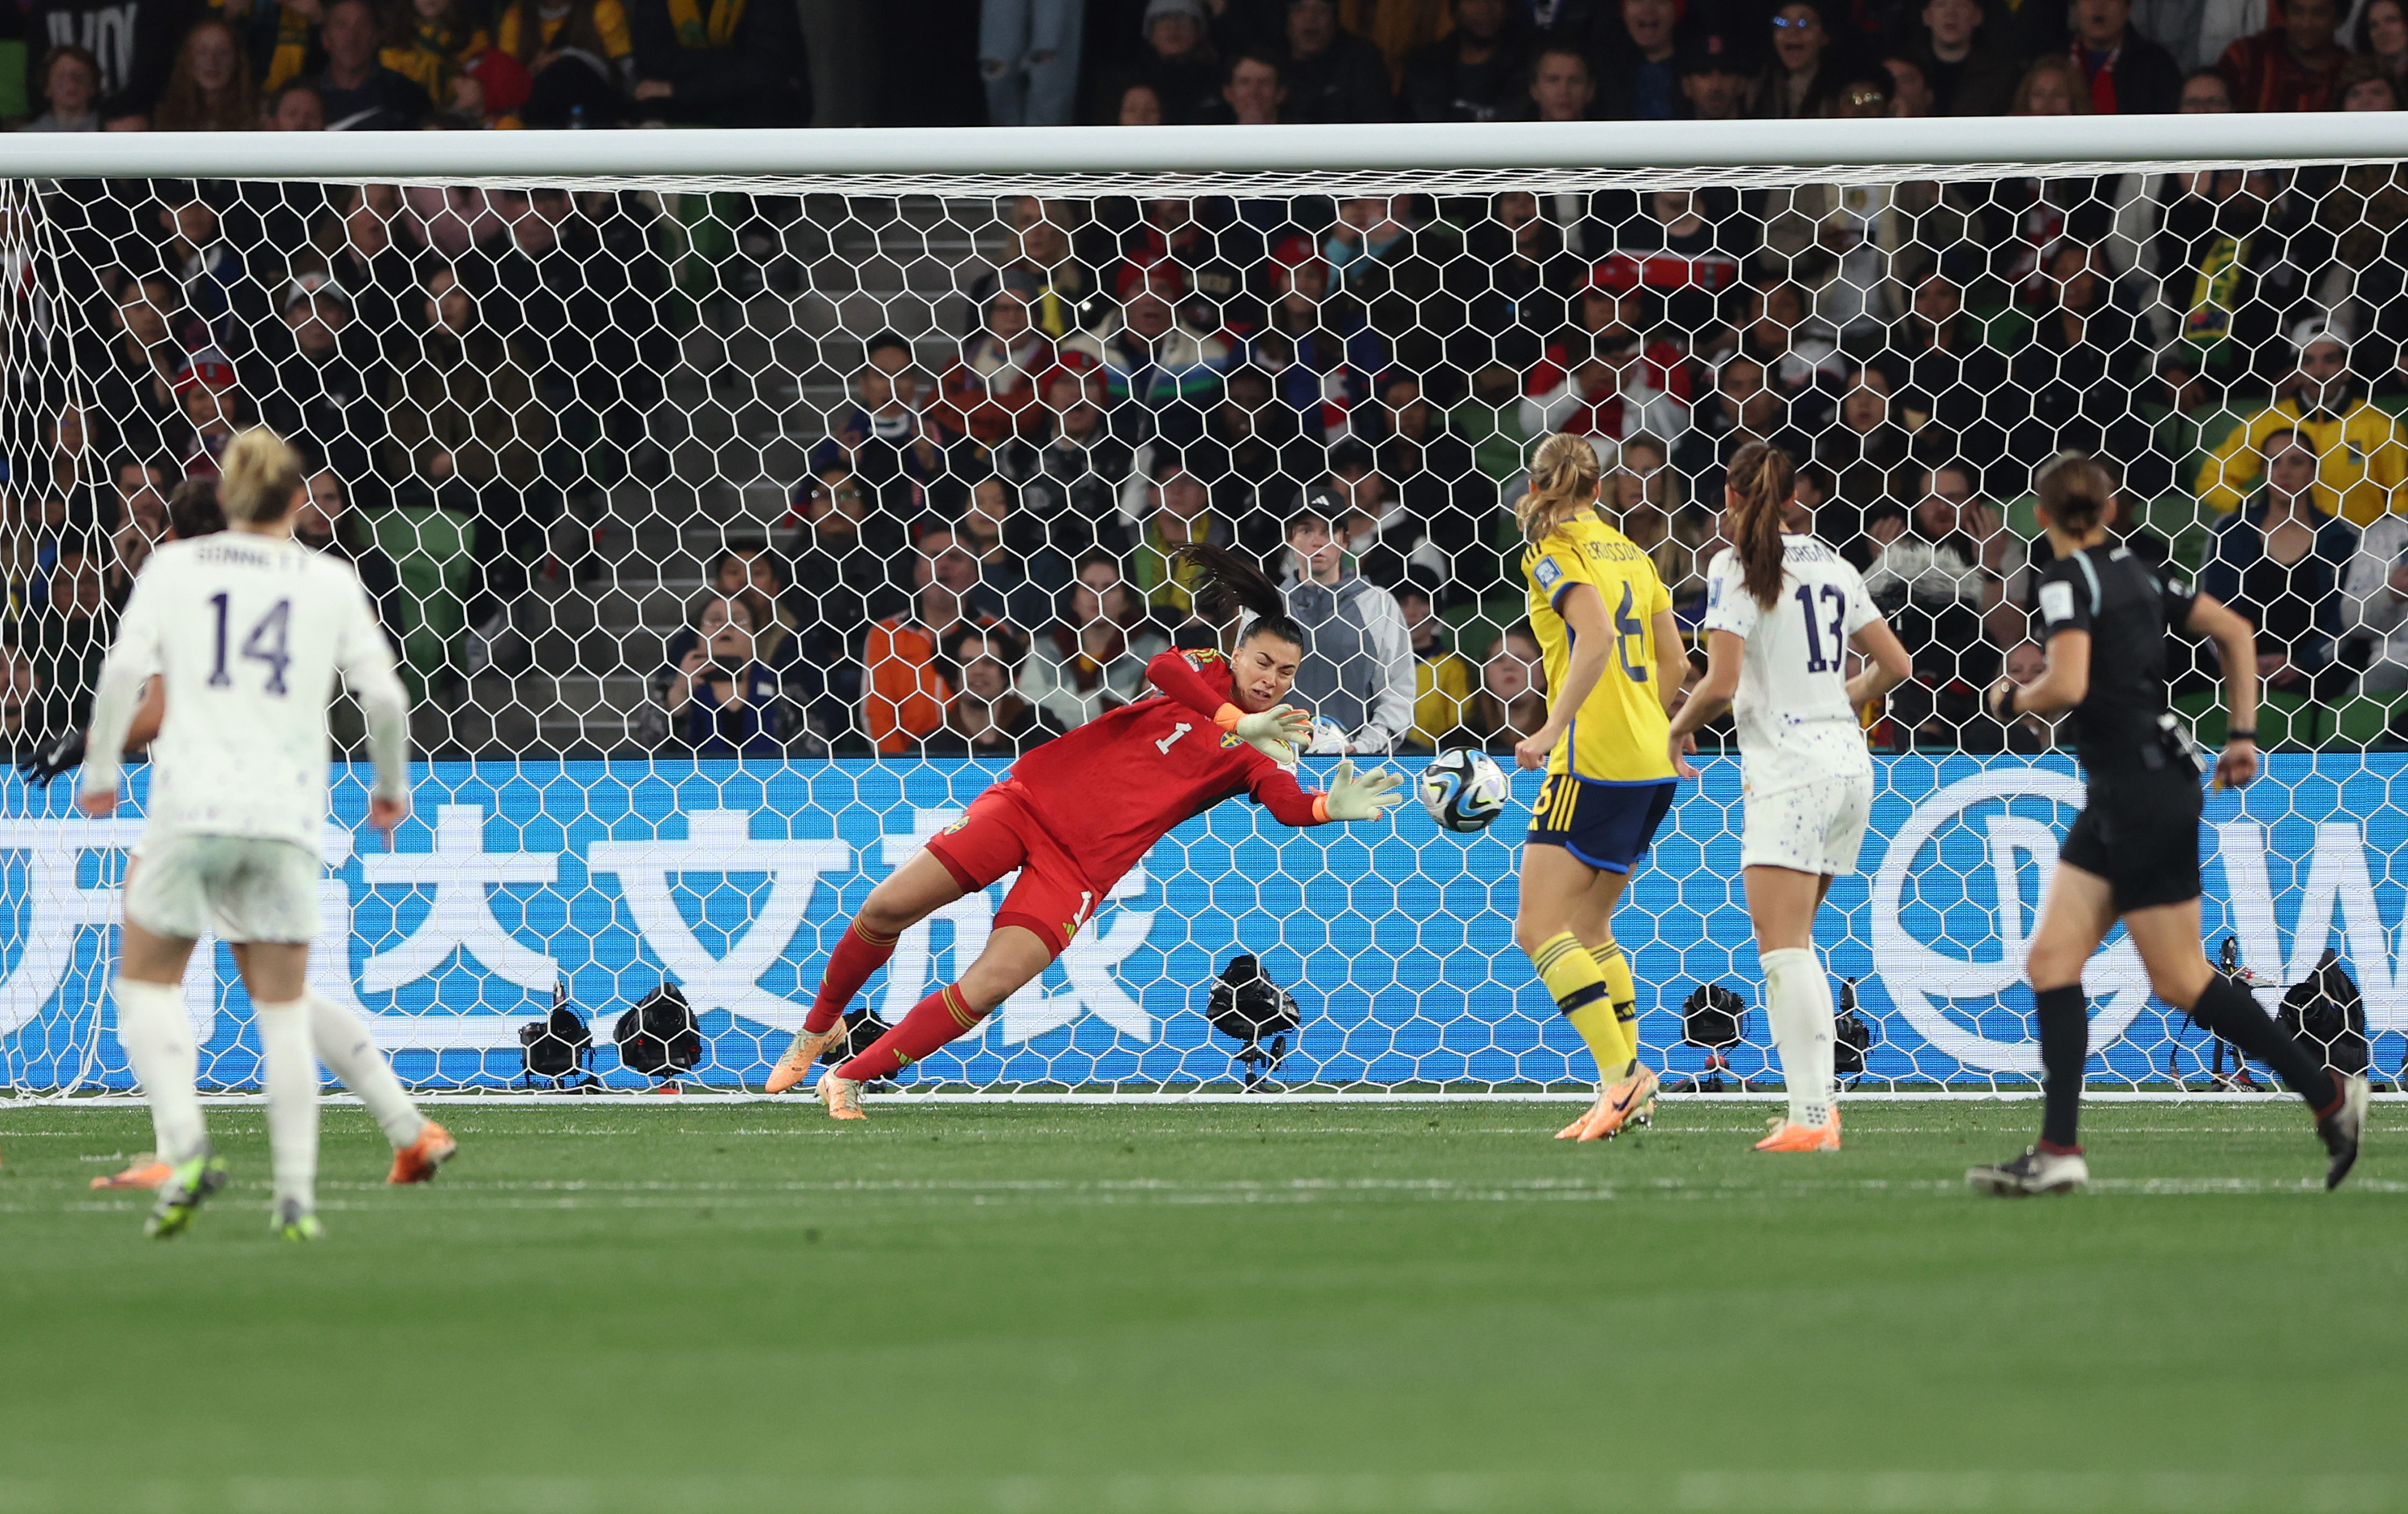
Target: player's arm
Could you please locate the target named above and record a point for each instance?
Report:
(2065, 617)
(1887, 663)
(1672, 659)
(115, 702)
(366, 661)
(1724, 652)
(1178, 678)
(1351, 796)
(2237, 644)
(1583, 611)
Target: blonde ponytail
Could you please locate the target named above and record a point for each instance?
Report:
(1564, 475)
(258, 478)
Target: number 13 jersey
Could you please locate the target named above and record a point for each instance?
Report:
(1795, 723)
(248, 633)
(1620, 734)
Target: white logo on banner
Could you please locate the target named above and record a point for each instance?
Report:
(459, 872)
(720, 842)
(2337, 875)
(1087, 966)
(1923, 981)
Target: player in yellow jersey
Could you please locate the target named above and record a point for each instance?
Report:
(1615, 666)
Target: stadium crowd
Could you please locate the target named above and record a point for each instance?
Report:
(980, 554)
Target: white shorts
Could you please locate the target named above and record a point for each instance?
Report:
(240, 888)
(1814, 826)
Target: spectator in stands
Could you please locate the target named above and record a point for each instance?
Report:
(750, 573)
(209, 88)
(990, 394)
(2364, 85)
(1357, 672)
(141, 522)
(1512, 704)
(1179, 62)
(1445, 510)
(1909, 92)
(1334, 75)
(2221, 247)
(1136, 103)
(1071, 471)
(578, 55)
(1683, 252)
(1745, 406)
(1561, 85)
(989, 718)
(1859, 248)
(1636, 77)
(209, 395)
(1180, 511)
(295, 107)
(846, 568)
(2072, 380)
(1252, 91)
(2361, 452)
(69, 78)
(1644, 503)
(434, 46)
(1403, 272)
(1800, 77)
(135, 391)
(1206, 252)
(731, 64)
(1442, 680)
(1714, 69)
(2204, 92)
(357, 239)
(2381, 36)
(1774, 331)
(1969, 75)
(1949, 578)
(2281, 561)
(1318, 345)
(357, 90)
(2129, 74)
(1863, 450)
(1014, 557)
(1028, 56)
(1152, 360)
(1255, 454)
(908, 677)
(2291, 65)
(719, 699)
(1092, 658)
(131, 65)
(884, 440)
(1038, 259)
(2375, 603)
(1471, 74)
(1608, 379)
(220, 304)
(1532, 277)
(70, 635)
(1944, 374)
(326, 522)
(327, 388)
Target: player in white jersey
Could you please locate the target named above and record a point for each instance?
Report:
(246, 631)
(1782, 611)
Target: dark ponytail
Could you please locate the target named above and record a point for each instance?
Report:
(2076, 492)
(1764, 478)
(1227, 583)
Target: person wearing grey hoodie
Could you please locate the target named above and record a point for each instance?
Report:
(1357, 673)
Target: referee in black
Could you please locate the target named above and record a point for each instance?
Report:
(2132, 855)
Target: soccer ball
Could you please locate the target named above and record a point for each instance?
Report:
(1463, 789)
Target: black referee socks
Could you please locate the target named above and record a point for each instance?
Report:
(2064, 1046)
(2226, 1010)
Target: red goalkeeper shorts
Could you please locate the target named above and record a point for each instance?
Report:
(1054, 896)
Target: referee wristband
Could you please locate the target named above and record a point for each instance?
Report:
(2250, 736)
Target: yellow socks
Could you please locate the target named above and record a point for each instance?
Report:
(1581, 989)
(1620, 991)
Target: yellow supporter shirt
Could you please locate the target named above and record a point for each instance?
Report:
(609, 19)
(1621, 734)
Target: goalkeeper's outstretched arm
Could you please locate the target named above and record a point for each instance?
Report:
(1351, 796)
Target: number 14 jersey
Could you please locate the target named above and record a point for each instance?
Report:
(1795, 723)
(248, 633)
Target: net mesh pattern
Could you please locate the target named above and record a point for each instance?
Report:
(734, 534)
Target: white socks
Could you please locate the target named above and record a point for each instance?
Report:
(1798, 1002)
(291, 1097)
(157, 1036)
(351, 1054)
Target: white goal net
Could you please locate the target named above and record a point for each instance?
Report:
(734, 532)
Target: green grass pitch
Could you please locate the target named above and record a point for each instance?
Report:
(1212, 1310)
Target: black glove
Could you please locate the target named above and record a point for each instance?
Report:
(60, 754)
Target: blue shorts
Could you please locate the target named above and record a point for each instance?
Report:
(1606, 825)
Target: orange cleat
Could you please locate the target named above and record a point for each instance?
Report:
(1630, 1102)
(1571, 1132)
(841, 1095)
(416, 1162)
(1788, 1137)
(795, 1065)
(144, 1171)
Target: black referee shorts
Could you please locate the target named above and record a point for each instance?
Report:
(2140, 831)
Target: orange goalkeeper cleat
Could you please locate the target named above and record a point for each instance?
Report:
(416, 1162)
(795, 1065)
(1628, 1103)
(841, 1095)
(144, 1171)
(1788, 1137)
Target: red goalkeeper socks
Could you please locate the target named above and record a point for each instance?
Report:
(933, 1021)
(859, 952)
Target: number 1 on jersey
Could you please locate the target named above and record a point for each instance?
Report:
(1163, 745)
(266, 643)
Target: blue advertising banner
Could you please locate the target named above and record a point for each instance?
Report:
(731, 879)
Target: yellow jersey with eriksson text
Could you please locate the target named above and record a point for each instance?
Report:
(1621, 734)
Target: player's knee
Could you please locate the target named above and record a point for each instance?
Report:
(1531, 933)
(884, 913)
(2051, 966)
(2181, 985)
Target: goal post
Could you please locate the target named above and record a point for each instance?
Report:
(738, 502)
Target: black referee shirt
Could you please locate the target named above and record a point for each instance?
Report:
(2129, 609)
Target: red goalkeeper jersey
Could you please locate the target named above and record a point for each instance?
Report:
(1112, 788)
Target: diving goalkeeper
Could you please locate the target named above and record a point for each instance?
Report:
(1077, 812)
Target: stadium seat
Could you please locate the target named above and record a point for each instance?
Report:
(2362, 720)
(432, 550)
(2285, 721)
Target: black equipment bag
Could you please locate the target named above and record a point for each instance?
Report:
(1850, 1037)
(2326, 1011)
(1247, 1006)
(660, 1036)
(1714, 1016)
(558, 1045)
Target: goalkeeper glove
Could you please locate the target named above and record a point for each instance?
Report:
(1271, 732)
(60, 755)
(1361, 797)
